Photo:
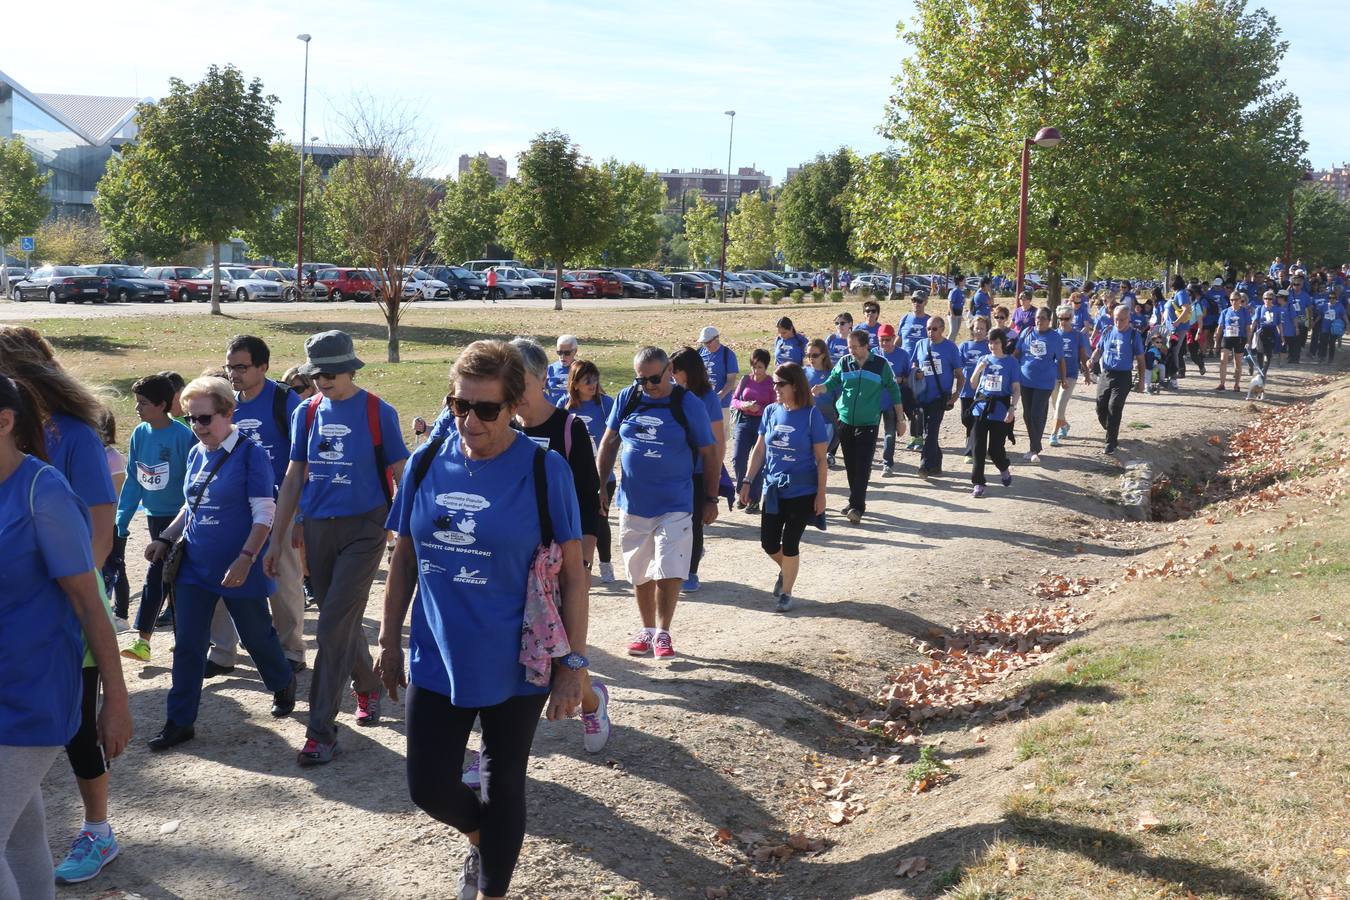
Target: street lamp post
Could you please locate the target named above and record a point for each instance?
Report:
(300, 212)
(1046, 137)
(726, 212)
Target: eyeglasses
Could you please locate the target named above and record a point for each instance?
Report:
(1000, 315)
(239, 368)
(326, 376)
(1066, 318)
(781, 384)
(934, 328)
(485, 410)
(814, 355)
(567, 352)
(650, 379)
(299, 388)
(202, 421)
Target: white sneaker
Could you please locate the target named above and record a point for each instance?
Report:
(1033, 457)
(607, 573)
(473, 864)
(595, 726)
(120, 625)
(473, 776)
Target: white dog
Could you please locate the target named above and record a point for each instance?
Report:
(1256, 386)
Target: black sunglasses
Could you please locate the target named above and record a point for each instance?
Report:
(485, 410)
(779, 384)
(650, 379)
(203, 421)
(327, 376)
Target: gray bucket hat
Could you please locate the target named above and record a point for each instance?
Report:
(329, 351)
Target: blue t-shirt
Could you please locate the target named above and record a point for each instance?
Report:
(792, 349)
(1288, 319)
(790, 436)
(555, 381)
(76, 451)
(1139, 321)
(46, 532)
(475, 537)
(1299, 301)
(340, 454)
(1073, 343)
(981, 304)
(656, 457)
(257, 421)
(956, 299)
(899, 360)
(1332, 313)
(1040, 353)
(1251, 289)
(1129, 300)
(714, 408)
(971, 354)
(911, 330)
(939, 363)
(156, 466)
(827, 399)
(1081, 314)
(1234, 323)
(1102, 322)
(1119, 348)
(721, 365)
(1214, 302)
(223, 519)
(593, 413)
(873, 341)
(996, 384)
(838, 347)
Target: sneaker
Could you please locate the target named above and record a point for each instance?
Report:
(854, 517)
(88, 854)
(978, 491)
(309, 592)
(969, 460)
(784, 603)
(1109, 449)
(1005, 477)
(887, 469)
(606, 573)
(1033, 457)
(752, 508)
(214, 668)
(120, 625)
(139, 649)
(165, 619)
(690, 585)
(923, 473)
(641, 644)
(468, 875)
(1054, 439)
(665, 648)
(1064, 432)
(595, 726)
(316, 754)
(367, 708)
(778, 584)
(915, 443)
(283, 701)
(831, 461)
(473, 775)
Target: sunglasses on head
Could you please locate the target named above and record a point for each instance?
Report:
(485, 410)
(203, 421)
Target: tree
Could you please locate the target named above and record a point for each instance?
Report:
(876, 209)
(814, 222)
(674, 246)
(128, 225)
(22, 203)
(751, 233)
(206, 160)
(638, 198)
(273, 235)
(71, 241)
(702, 232)
(468, 219)
(559, 207)
(380, 203)
(1321, 227)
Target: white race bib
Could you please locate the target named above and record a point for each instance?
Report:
(1037, 348)
(1231, 329)
(992, 384)
(153, 478)
(932, 366)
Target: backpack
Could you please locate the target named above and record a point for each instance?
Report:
(279, 408)
(382, 469)
(635, 403)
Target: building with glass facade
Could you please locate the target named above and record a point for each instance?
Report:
(71, 136)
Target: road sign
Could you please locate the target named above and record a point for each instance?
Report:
(27, 244)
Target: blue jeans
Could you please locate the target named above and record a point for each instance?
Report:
(152, 594)
(747, 432)
(192, 635)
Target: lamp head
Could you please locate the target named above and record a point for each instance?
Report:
(1047, 137)
(302, 37)
(730, 112)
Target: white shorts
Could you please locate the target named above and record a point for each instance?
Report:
(656, 548)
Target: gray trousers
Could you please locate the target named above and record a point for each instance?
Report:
(344, 555)
(288, 612)
(25, 860)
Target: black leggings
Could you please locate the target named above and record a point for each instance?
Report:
(783, 530)
(696, 552)
(83, 751)
(602, 534)
(438, 732)
(115, 578)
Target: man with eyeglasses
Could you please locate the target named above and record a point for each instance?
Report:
(660, 427)
(1299, 303)
(938, 376)
(871, 323)
(555, 386)
(347, 452)
(720, 362)
(263, 414)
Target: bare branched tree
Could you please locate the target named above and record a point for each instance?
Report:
(382, 202)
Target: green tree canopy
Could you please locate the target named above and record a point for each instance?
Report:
(468, 219)
(703, 233)
(560, 207)
(273, 235)
(751, 233)
(1321, 227)
(814, 223)
(638, 197)
(128, 224)
(22, 203)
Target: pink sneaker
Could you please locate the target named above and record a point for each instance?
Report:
(641, 644)
(664, 648)
(367, 708)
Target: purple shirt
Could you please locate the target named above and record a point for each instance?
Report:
(749, 389)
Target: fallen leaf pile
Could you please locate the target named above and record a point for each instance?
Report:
(841, 792)
(1053, 587)
(911, 866)
(757, 847)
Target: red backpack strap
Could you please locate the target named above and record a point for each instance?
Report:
(377, 438)
(312, 410)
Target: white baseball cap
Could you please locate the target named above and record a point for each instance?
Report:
(1218, 282)
(707, 334)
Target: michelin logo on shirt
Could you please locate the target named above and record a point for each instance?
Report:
(466, 576)
(458, 528)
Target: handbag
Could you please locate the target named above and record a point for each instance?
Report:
(173, 560)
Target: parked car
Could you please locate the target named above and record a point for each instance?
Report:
(316, 267)
(482, 265)
(539, 285)
(871, 282)
(376, 277)
(464, 285)
(244, 284)
(346, 284)
(734, 286)
(286, 278)
(573, 285)
(753, 281)
(508, 287)
(425, 287)
(184, 283)
(127, 283)
(774, 278)
(660, 283)
(16, 274)
(693, 284)
(640, 290)
(799, 280)
(607, 283)
(60, 284)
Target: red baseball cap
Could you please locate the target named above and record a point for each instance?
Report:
(886, 331)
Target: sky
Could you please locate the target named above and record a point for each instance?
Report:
(639, 81)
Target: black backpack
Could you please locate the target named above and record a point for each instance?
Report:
(279, 408)
(637, 403)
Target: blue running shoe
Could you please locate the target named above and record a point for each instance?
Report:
(690, 584)
(87, 857)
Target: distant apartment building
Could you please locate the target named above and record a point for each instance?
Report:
(792, 172)
(496, 166)
(1337, 179)
(683, 184)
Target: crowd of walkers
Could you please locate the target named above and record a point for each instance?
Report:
(262, 497)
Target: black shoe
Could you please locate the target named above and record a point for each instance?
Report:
(214, 668)
(171, 735)
(283, 701)
(165, 619)
(309, 592)
(297, 665)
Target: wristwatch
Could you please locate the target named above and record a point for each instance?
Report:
(575, 661)
(713, 500)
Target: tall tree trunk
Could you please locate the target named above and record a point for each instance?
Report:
(215, 278)
(1055, 262)
(557, 287)
(895, 268)
(391, 320)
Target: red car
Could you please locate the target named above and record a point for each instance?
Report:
(607, 284)
(575, 285)
(344, 283)
(185, 282)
